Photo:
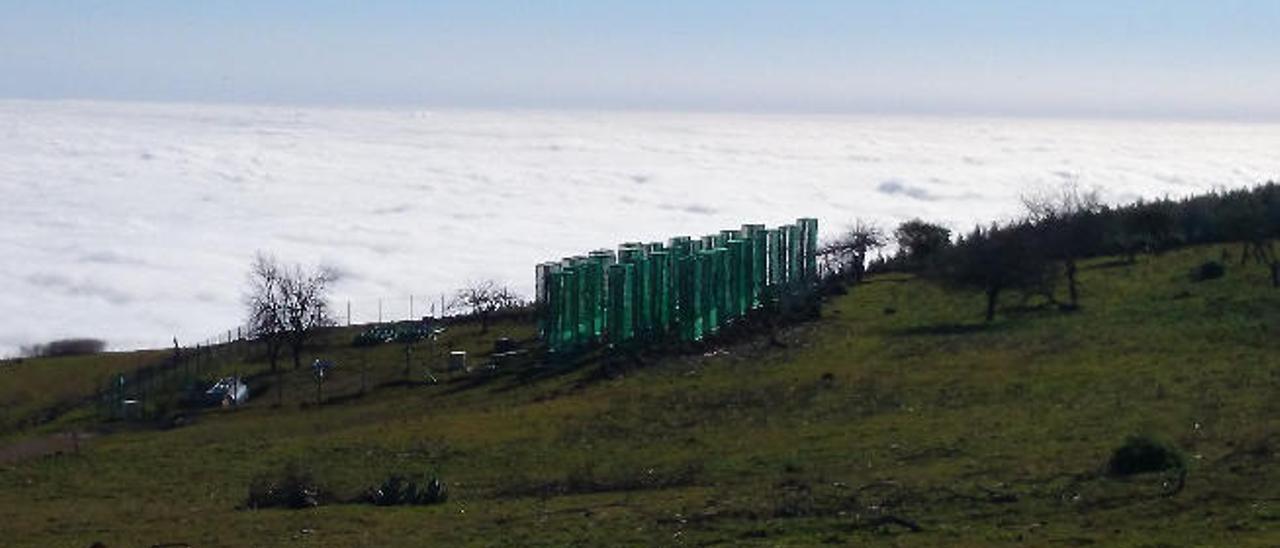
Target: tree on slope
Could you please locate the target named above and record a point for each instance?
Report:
(1067, 221)
(918, 241)
(994, 260)
(286, 304)
(484, 298)
(1253, 218)
(847, 253)
(306, 305)
(264, 301)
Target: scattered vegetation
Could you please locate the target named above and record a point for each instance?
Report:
(406, 332)
(1066, 225)
(293, 487)
(398, 490)
(484, 299)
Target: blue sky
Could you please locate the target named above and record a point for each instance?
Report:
(1156, 58)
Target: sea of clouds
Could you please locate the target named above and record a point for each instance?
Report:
(136, 223)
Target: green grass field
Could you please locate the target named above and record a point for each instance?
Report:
(898, 418)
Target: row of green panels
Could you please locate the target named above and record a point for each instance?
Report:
(685, 289)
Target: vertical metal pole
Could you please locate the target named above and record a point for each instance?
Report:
(411, 306)
(348, 312)
(379, 309)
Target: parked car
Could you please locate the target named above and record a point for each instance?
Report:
(227, 392)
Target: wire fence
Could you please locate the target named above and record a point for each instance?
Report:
(155, 389)
(358, 311)
(415, 306)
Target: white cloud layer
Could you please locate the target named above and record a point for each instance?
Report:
(137, 222)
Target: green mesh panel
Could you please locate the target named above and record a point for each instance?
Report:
(542, 301)
(687, 287)
(777, 270)
(660, 298)
(681, 246)
(640, 295)
(739, 277)
(793, 254)
(601, 260)
(732, 261)
(692, 300)
(621, 328)
(809, 248)
(553, 311)
(568, 307)
(758, 268)
(710, 294)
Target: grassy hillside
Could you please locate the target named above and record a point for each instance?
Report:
(35, 391)
(897, 418)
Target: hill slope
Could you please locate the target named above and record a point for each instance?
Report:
(898, 417)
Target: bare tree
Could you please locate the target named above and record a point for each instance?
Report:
(286, 304)
(1068, 222)
(847, 253)
(264, 301)
(306, 305)
(485, 297)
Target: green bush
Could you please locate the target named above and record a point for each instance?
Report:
(1210, 270)
(398, 490)
(374, 336)
(293, 488)
(1141, 454)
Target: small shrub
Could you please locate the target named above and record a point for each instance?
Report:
(1141, 454)
(371, 337)
(435, 493)
(398, 490)
(365, 339)
(1209, 270)
(293, 488)
(405, 336)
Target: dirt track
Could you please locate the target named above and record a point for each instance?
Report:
(63, 442)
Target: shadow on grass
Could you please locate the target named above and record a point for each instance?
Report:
(886, 280)
(943, 329)
(601, 362)
(1117, 263)
(509, 376)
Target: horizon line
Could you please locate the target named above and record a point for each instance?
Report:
(1100, 115)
